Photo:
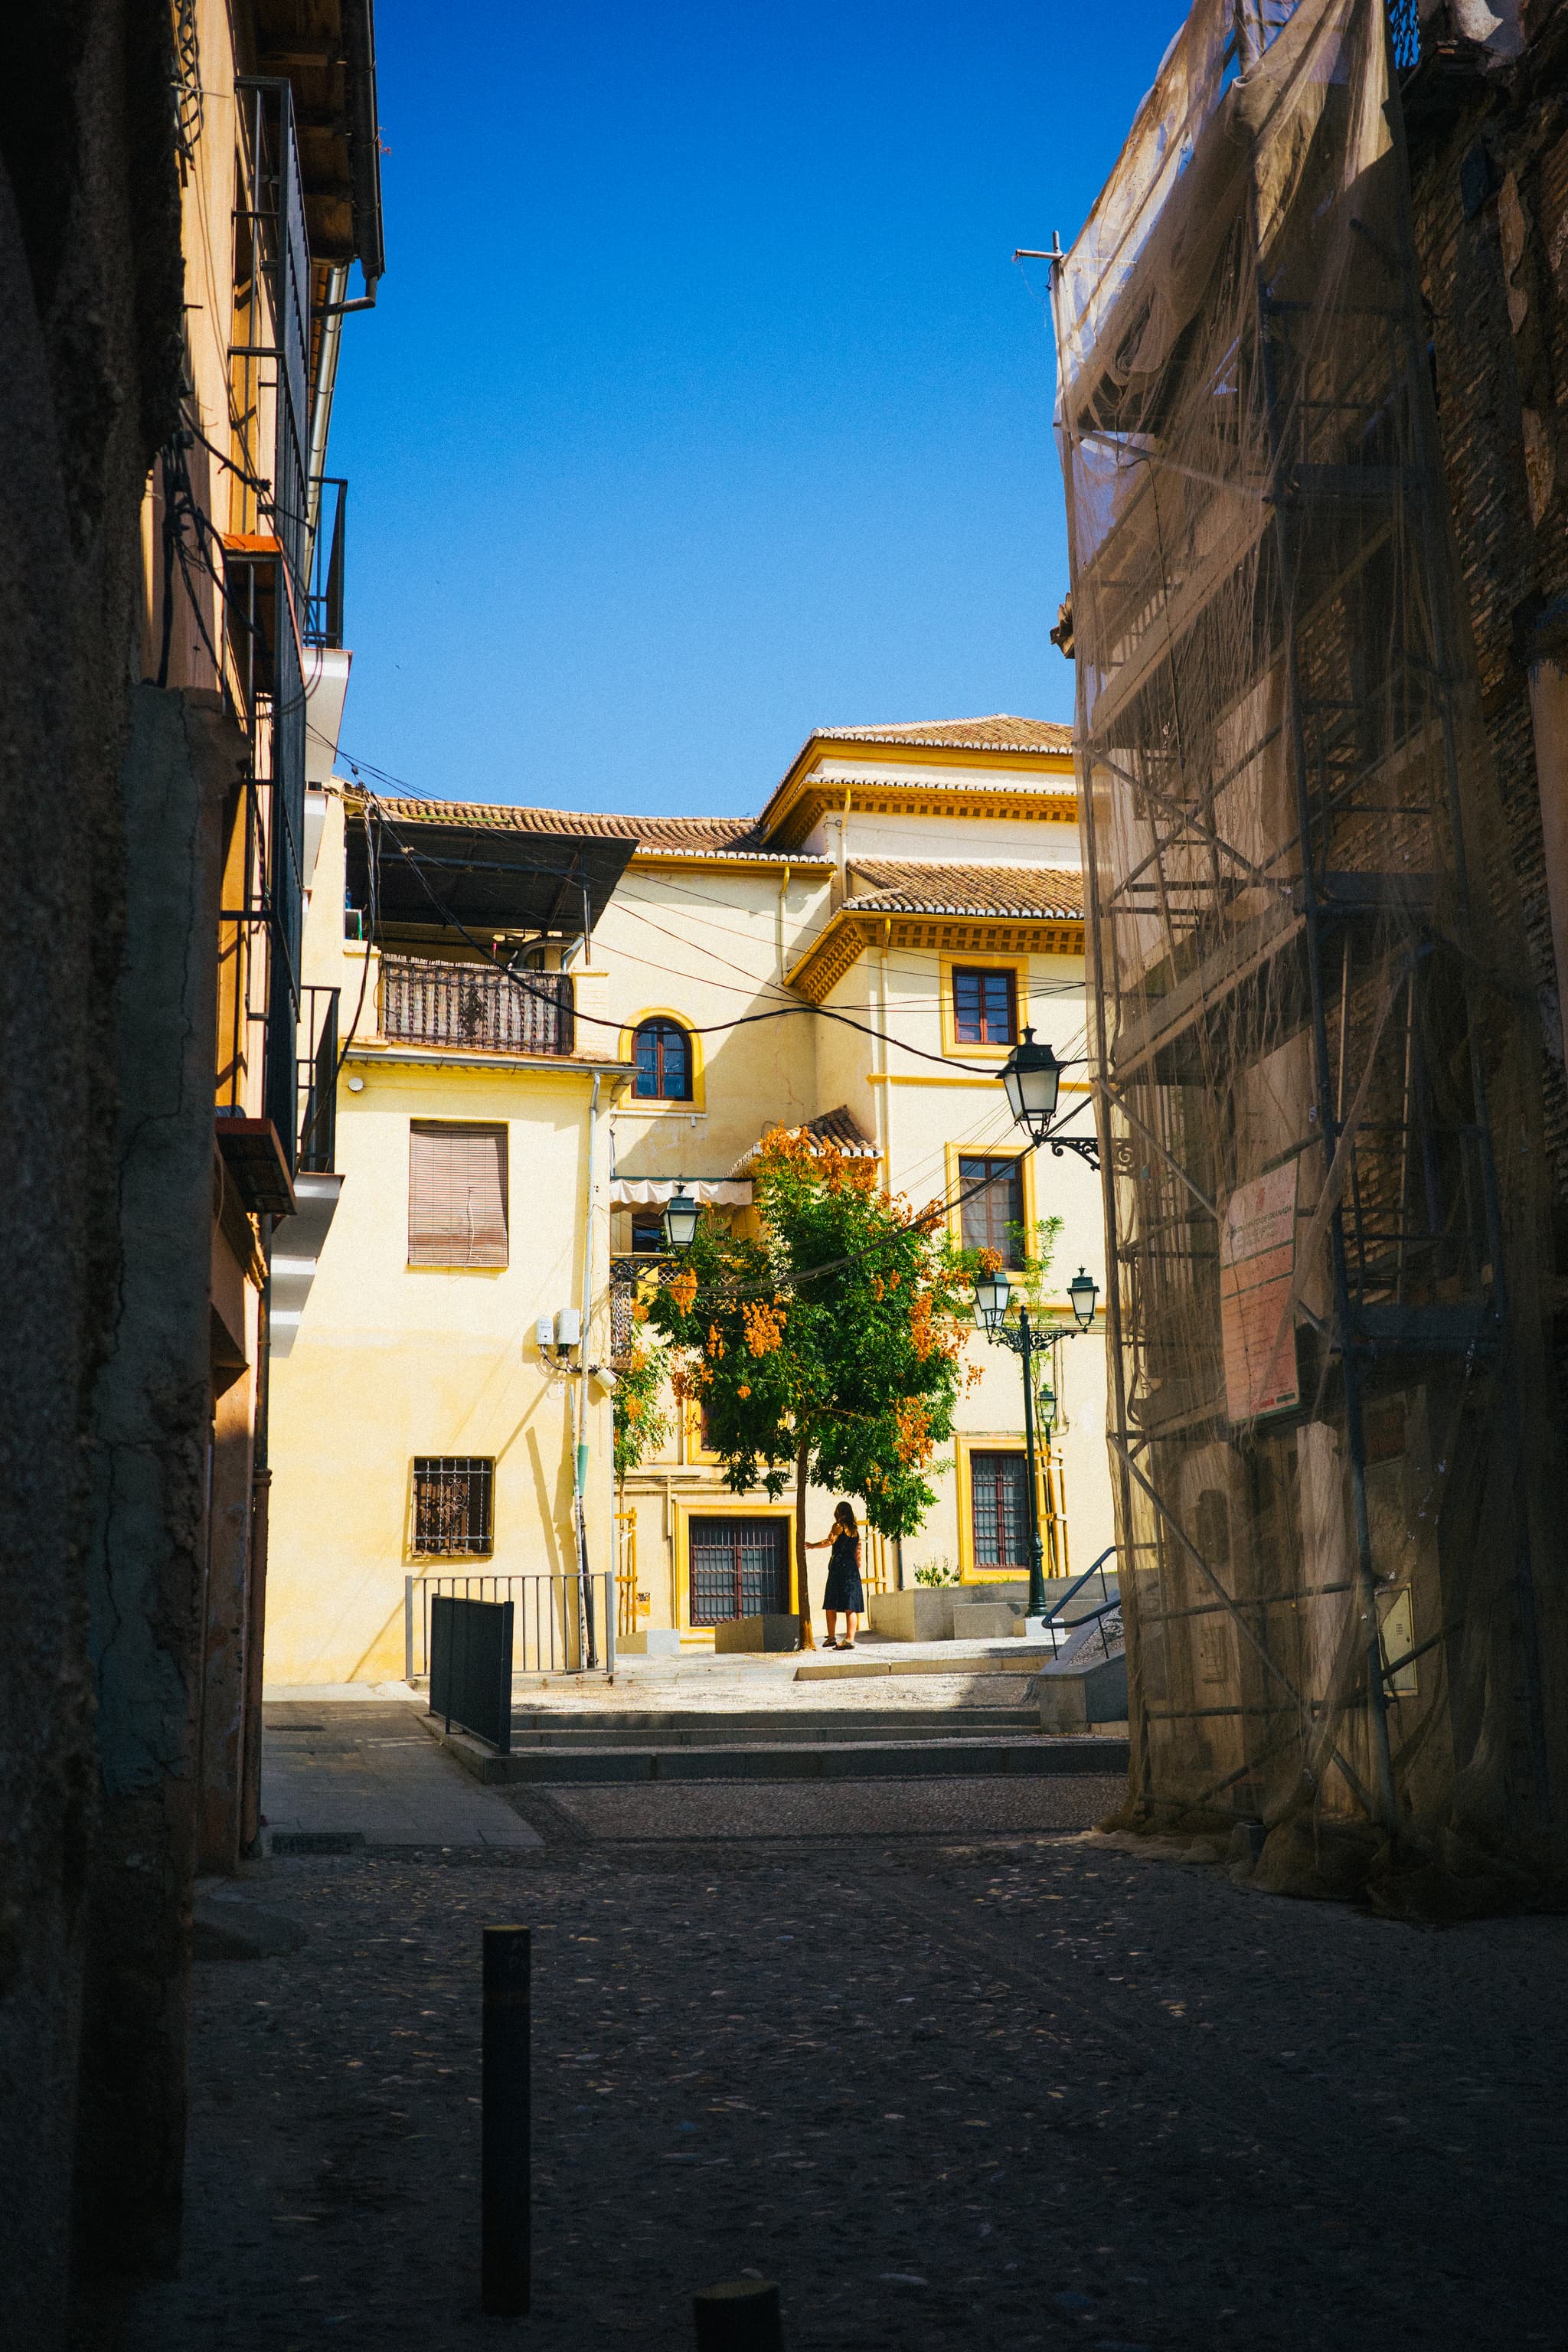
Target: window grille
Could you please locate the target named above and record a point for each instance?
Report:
(664, 1062)
(456, 1194)
(992, 1218)
(999, 1508)
(986, 1008)
(452, 1504)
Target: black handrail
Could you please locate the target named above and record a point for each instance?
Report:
(1076, 1587)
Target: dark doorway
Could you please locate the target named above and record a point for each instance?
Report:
(739, 1568)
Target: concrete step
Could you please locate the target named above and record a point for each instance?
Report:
(772, 1727)
(1030, 1757)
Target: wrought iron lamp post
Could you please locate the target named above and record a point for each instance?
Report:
(993, 1294)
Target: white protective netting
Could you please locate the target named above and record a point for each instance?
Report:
(1325, 1186)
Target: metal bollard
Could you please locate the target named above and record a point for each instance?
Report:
(506, 2221)
(742, 2316)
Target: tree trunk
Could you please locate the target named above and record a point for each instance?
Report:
(802, 1589)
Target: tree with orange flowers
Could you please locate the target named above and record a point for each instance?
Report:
(826, 1347)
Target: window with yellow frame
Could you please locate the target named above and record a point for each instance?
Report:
(666, 1051)
(990, 1189)
(992, 1479)
(984, 1006)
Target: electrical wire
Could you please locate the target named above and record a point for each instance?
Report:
(709, 1029)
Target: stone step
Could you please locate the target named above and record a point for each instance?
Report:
(1031, 1756)
(772, 1728)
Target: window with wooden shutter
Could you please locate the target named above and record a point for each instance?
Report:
(456, 1194)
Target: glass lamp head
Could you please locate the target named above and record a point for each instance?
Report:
(1032, 1076)
(992, 1292)
(1083, 1294)
(680, 1215)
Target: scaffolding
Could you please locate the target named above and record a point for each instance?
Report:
(1319, 1104)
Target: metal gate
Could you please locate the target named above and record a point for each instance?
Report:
(739, 1568)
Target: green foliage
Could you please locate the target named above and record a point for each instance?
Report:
(859, 1364)
(641, 1424)
(937, 1571)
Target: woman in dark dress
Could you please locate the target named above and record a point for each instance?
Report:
(844, 1591)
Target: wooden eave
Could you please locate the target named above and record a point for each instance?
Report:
(804, 799)
(847, 936)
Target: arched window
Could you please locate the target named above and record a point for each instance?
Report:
(664, 1062)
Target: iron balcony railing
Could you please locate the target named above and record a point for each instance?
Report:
(429, 1003)
(316, 1074)
(324, 600)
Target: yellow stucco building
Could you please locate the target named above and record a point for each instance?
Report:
(920, 881)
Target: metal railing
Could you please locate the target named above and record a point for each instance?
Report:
(316, 1074)
(560, 1624)
(1096, 1568)
(430, 1001)
(324, 597)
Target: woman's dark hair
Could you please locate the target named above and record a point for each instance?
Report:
(844, 1516)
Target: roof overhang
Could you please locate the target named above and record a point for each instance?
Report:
(458, 875)
(1012, 784)
(842, 940)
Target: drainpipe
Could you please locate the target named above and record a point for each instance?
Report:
(580, 1485)
(330, 315)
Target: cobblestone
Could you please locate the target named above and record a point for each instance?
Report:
(951, 2089)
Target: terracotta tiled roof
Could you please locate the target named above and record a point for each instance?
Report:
(921, 887)
(1000, 732)
(701, 836)
(496, 818)
(838, 1126)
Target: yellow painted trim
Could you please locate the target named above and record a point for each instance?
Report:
(651, 1105)
(721, 1505)
(843, 937)
(946, 966)
(726, 862)
(1006, 763)
(896, 1079)
(968, 1573)
(955, 1151)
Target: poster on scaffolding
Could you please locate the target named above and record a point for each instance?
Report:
(1257, 1264)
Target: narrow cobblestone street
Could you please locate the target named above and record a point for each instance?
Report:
(950, 2079)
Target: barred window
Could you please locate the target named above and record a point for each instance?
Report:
(999, 1500)
(452, 1504)
(456, 1194)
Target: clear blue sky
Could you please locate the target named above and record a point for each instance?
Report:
(703, 404)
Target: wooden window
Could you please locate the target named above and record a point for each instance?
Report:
(999, 1509)
(456, 1194)
(992, 1218)
(986, 1008)
(452, 1504)
(664, 1063)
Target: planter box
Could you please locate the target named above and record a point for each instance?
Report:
(649, 1642)
(982, 1621)
(922, 1613)
(757, 1633)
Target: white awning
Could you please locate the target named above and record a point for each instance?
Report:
(653, 1192)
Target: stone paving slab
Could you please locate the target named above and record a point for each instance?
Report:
(334, 1768)
(940, 1808)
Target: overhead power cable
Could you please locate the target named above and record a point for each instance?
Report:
(522, 980)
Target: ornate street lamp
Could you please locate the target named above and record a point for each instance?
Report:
(680, 1215)
(990, 1294)
(1083, 1294)
(1032, 1075)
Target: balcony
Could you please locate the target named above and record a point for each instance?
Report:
(475, 1008)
